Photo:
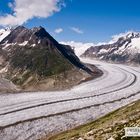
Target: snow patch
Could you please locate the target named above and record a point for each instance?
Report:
(136, 43)
(24, 43)
(121, 49)
(33, 45)
(102, 51)
(39, 41)
(4, 33)
(6, 46)
(4, 70)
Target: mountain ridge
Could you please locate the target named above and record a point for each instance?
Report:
(29, 56)
(126, 49)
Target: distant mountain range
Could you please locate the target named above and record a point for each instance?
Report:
(28, 56)
(126, 49)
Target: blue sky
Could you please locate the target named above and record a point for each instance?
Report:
(86, 20)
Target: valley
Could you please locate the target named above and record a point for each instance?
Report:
(69, 70)
(41, 114)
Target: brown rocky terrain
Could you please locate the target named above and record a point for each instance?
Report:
(32, 60)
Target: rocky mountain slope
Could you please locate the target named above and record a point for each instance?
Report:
(29, 57)
(125, 50)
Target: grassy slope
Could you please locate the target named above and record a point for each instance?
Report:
(111, 125)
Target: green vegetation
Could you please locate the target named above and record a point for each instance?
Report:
(20, 79)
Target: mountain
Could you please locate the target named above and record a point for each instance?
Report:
(29, 57)
(126, 49)
(4, 32)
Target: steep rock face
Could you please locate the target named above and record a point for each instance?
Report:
(28, 55)
(126, 49)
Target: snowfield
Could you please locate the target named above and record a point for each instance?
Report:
(30, 116)
(4, 33)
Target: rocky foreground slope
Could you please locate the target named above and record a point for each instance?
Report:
(126, 49)
(33, 60)
(109, 127)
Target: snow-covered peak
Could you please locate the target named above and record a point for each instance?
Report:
(124, 47)
(126, 35)
(133, 35)
(4, 32)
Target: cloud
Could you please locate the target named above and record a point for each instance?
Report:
(58, 31)
(77, 30)
(24, 10)
(80, 47)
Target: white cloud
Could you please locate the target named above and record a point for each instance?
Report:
(77, 30)
(24, 10)
(80, 47)
(58, 31)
